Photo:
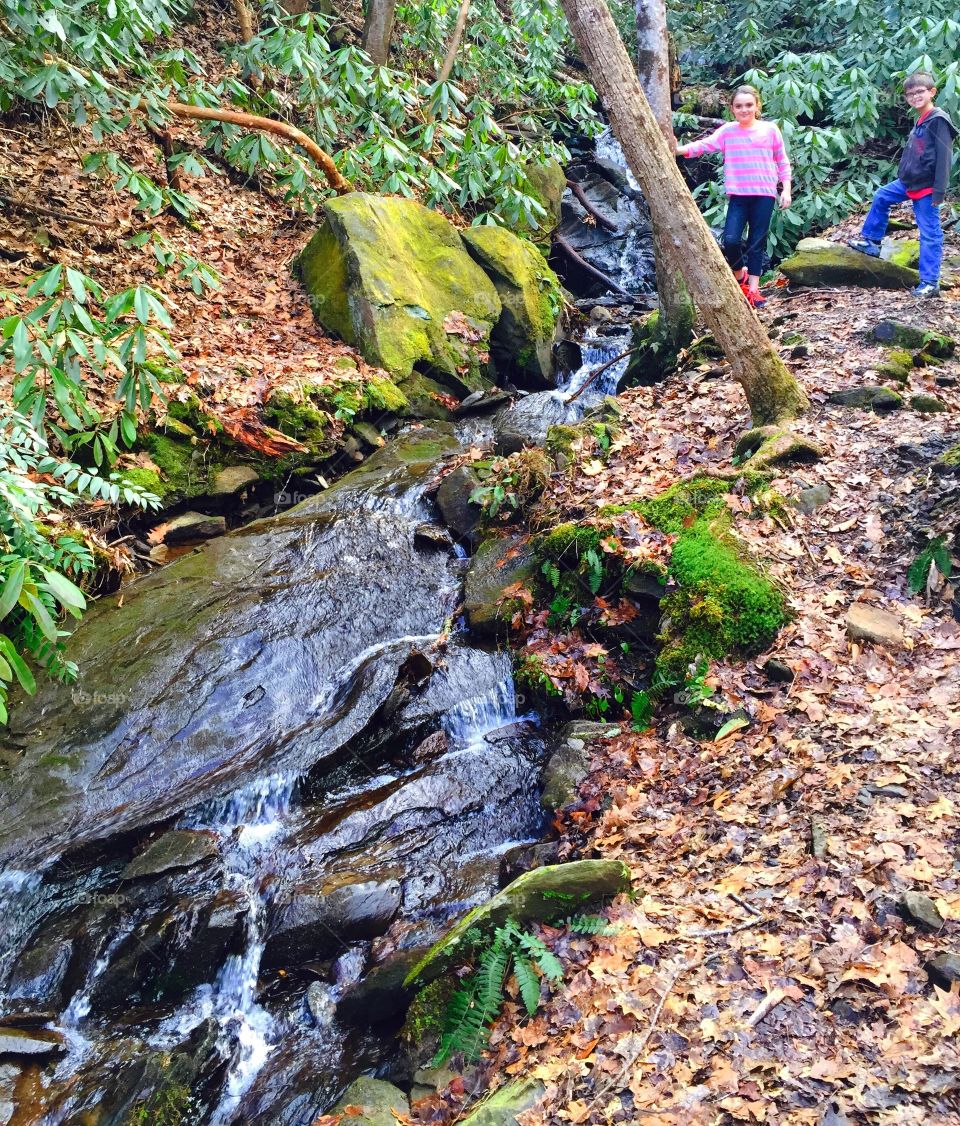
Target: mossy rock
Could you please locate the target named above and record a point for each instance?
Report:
(701, 495)
(379, 1102)
(949, 462)
(537, 896)
(394, 279)
(505, 1105)
(523, 338)
(497, 565)
(911, 339)
(424, 398)
(547, 181)
(867, 398)
(818, 262)
(187, 466)
(905, 252)
(723, 603)
(927, 404)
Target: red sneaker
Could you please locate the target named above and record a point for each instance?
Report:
(754, 296)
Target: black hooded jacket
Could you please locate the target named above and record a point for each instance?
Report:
(926, 159)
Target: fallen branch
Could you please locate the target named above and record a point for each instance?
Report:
(268, 125)
(600, 370)
(39, 209)
(592, 270)
(581, 195)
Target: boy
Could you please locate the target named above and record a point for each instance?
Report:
(922, 177)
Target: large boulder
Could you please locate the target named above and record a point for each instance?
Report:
(523, 338)
(394, 279)
(548, 182)
(819, 263)
(373, 1102)
(504, 1107)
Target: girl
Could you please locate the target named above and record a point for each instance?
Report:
(754, 163)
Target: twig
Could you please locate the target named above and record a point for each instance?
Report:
(600, 370)
(581, 261)
(766, 1006)
(581, 195)
(725, 930)
(743, 903)
(39, 209)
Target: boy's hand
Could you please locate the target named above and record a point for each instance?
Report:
(785, 198)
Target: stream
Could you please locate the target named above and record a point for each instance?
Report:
(284, 771)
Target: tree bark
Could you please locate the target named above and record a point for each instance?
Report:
(290, 132)
(245, 19)
(675, 323)
(772, 392)
(454, 44)
(378, 30)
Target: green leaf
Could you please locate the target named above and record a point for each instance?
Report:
(13, 584)
(68, 595)
(20, 669)
(730, 726)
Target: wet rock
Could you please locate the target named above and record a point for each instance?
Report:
(944, 969)
(453, 500)
(522, 339)
(809, 500)
(232, 480)
(32, 1042)
(394, 279)
(379, 1102)
(567, 768)
(867, 398)
(318, 920)
(927, 404)
(171, 952)
(367, 433)
(480, 402)
(381, 995)
(194, 707)
(870, 623)
(297, 1084)
(429, 1080)
(537, 896)
(503, 1106)
(526, 857)
(526, 422)
(818, 262)
(193, 527)
(497, 565)
(432, 535)
(180, 848)
(921, 909)
(42, 974)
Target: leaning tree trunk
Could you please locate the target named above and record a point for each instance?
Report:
(454, 44)
(675, 323)
(772, 392)
(378, 29)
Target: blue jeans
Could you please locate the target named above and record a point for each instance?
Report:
(757, 211)
(928, 220)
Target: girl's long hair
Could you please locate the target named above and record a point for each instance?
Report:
(753, 92)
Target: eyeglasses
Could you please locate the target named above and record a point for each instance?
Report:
(915, 91)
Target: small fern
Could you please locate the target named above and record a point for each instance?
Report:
(476, 1005)
(589, 924)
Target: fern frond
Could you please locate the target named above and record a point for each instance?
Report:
(548, 962)
(460, 1023)
(528, 982)
(589, 924)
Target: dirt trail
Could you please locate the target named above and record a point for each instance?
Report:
(766, 972)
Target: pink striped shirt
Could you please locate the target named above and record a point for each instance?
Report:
(754, 159)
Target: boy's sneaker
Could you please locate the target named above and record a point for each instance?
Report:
(926, 289)
(754, 297)
(865, 246)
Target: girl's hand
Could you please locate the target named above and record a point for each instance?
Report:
(681, 150)
(785, 199)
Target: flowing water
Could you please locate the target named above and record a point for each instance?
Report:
(283, 782)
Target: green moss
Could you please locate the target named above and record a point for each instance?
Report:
(147, 479)
(189, 419)
(951, 458)
(702, 495)
(927, 404)
(906, 252)
(425, 1017)
(722, 605)
(383, 395)
(184, 473)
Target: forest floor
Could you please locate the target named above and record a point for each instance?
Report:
(768, 970)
